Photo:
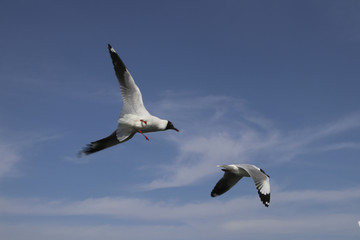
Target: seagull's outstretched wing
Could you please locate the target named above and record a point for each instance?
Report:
(101, 144)
(107, 142)
(225, 183)
(262, 181)
(130, 92)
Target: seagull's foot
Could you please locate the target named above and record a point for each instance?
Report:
(143, 121)
(143, 134)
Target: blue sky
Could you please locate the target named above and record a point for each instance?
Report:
(270, 83)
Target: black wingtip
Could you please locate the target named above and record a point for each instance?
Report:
(87, 150)
(265, 198)
(111, 49)
(119, 65)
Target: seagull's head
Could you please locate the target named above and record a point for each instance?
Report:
(171, 126)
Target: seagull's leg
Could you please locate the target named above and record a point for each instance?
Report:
(143, 121)
(143, 134)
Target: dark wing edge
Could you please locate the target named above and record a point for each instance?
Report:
(225, 183)
(265, 198)
(263, 187)
(99, 145)
(119, 66)
(262, 182)
(130, 92)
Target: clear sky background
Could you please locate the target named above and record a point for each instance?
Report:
(270, 83)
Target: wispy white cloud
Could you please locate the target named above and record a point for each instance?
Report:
(316, 196)
(212, 219)
(199, 155)
(123, 207)
(14, 144)
(339, 146)
(300, 138)
(313, 226)
(227, 132)
(9, 158)
(61, 231)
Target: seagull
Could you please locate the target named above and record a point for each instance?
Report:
(234, 172)
(134, 118)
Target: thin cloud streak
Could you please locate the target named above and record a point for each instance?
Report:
(309, 135)
(12, 147)
(340, 146)
(153, 210)
(314, 225)
(9, 158)
(45, 231)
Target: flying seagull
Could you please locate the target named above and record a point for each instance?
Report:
(234, 172)
(133, 117)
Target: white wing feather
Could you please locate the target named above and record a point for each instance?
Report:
(130, 92)
(261, 180)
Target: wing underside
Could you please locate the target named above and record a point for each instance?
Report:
(225, 183)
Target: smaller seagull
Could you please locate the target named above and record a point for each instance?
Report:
(134, 118)
(234, 172)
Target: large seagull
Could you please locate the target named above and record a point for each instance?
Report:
(133, 117)
(234, 172)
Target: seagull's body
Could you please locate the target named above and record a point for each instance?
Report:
(234, 172)
(133, 117)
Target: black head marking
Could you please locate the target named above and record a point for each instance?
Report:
(171, 126)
